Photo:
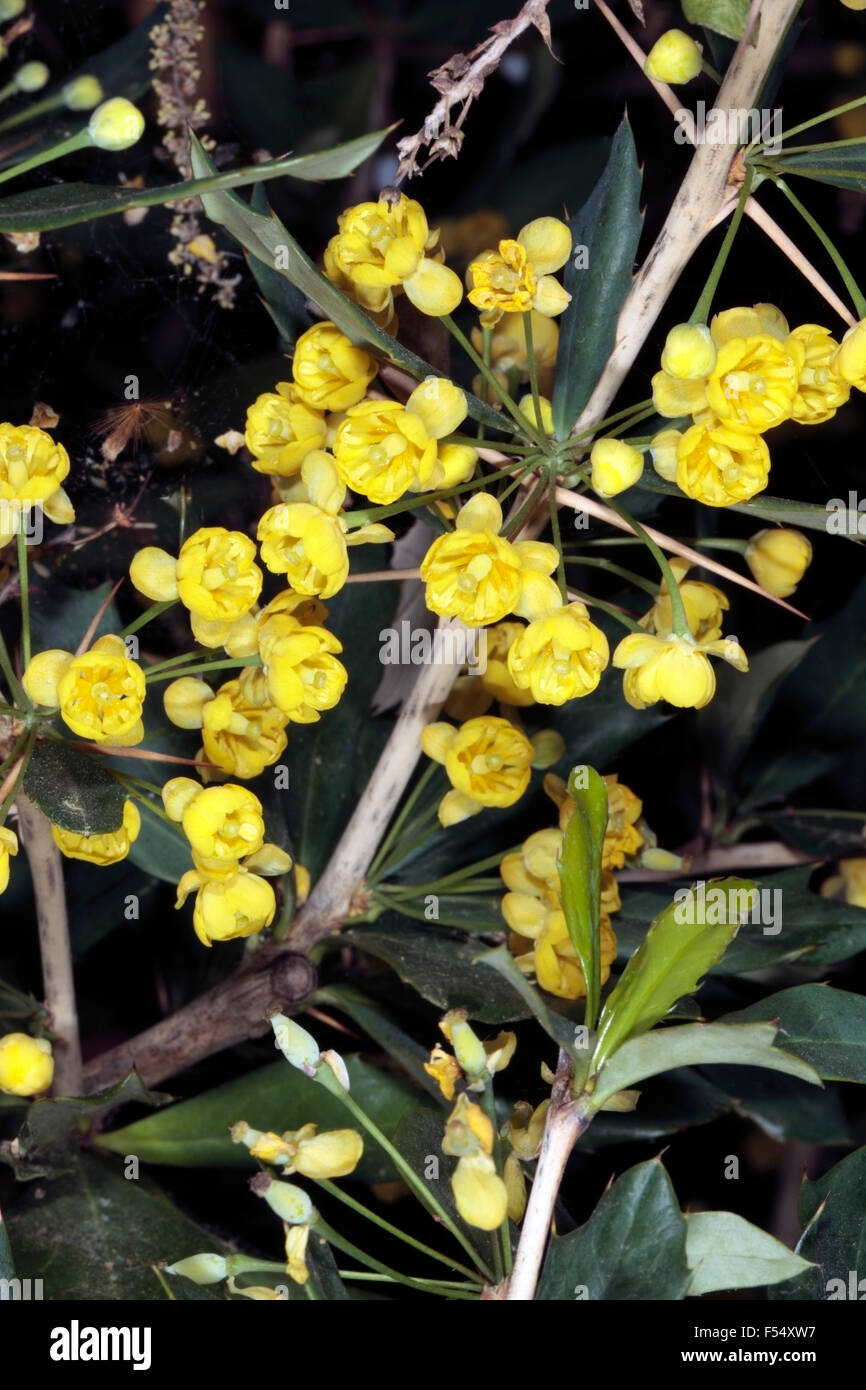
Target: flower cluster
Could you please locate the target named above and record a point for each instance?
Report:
(743, 375)
(226, 833)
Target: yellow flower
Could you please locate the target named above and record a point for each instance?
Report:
(217, 577)
(297, 1239)
(301, 671)
(849, 361)
(533, 870)
(108, 848)
(689, 352)
(525, 1128)
(243, 732)
(26, 1065)
(615, 466)
(675, 57)
(719, 463)
(518, 276)
(496, 680)
(282, 428)
(820, 390)
(222, 824)
(468, 1129)
(32, 469)
(474, 574)
(330, 372)
(100, 693)
(307, 540)
(8, 848)
(559, 657)
(487, 761)
(554, 959)
(515, 1186)
(526, 406)
(383, 449)
(334, 1154)
(455, 463)
(444, 1069)
(755, 379)
(778, 559)
(382, 245)
(236, 905)
(622, 838)
(676, 669)
(479, 1192)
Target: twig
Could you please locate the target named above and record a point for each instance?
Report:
(46, 870)
(460, 81)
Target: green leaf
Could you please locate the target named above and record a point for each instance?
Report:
(561, 1029)
(608, 226)
(580, 877)
(267, 238)
(195, 1133)
(805, 515)
(632, 1247)
(49, 1121)
(93, 1235)
(726, 1252)
(733, 718)
(824, 1026)
(74, 789)
(680, 946)
(67, 204)
(598, 729)
(692, 1045)
(834, 1215)
(64, 620)
(784, 1107)
(726, 17)
(445, 969)
(841, 167)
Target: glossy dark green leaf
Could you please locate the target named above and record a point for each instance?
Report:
(598, 728)
(671, 961)
(580, 876)
(195, 1133)
(442, 966)
(556, 1025)
(833, 1212)
(73, 788)
(605, 233)
(824, 1026)
(726, 17)
(726, 1252)
(93, 1236)
(419, 1139)
(65, 614)
(51, 1120)
(692, 1045)
(161, 849)
(783, 1107)
(369, 1015)
(272, 243)
(67, 204)
(734, 716)
(632, 1247)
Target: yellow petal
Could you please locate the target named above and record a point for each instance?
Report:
(154, 574)
(436, 739)
(43, 674)
(434, 289)
(482, 513)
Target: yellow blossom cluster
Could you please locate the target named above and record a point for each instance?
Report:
(744, 374)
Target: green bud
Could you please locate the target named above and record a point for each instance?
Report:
(291, 1204)
(201, 1269)
(31, 77)
(82, 93)
(116, 125)
(297, 1045)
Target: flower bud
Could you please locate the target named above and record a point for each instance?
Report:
(9, 9)
(850, 359)
(26, 1065)
(334, 1062)
(615, 466)
(31, 77)
(689, 352)
(526, 406)
(441, 405)
(291, 1204)
(479, 1192)
(675, 57)
(297, 1045)
(548, 747)
(184, 701)
(82, 93)
(116, 125)
(201, 1269)
(778, 558)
